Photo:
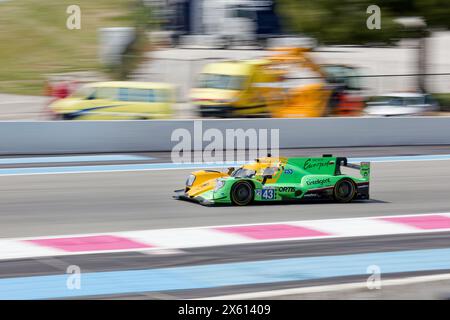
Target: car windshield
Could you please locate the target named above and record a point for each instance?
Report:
(391, 101)
(396, 101)
(343, 75)
(414, 101)
(83, 92)
(143, 95)
(269, 171)
(221, 81)
(122, 94)
(106, 93)
(243, 173)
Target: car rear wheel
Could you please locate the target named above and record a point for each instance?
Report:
(242, 193)
(344, 191)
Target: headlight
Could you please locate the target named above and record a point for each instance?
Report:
(190, 180)
(219, 184)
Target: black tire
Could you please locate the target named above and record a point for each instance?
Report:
(242, 193)
(344, 191)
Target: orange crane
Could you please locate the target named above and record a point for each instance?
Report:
(320, 98)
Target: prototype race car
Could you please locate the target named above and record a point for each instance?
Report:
(278, 179)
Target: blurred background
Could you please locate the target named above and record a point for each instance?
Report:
(341, 67)
(189, 59)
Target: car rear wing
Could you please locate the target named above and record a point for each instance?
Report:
(363, 167)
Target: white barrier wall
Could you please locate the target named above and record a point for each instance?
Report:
(139, 136)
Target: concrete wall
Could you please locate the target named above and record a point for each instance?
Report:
(139, 136)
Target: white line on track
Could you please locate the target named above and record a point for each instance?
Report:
(20, 171)
(238, 225)
(328, 288)
(158, 241)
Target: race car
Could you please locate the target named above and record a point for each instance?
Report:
(271, 179)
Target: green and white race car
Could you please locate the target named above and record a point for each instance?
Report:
(278, 179)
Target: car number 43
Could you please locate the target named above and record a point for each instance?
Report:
(268, 194)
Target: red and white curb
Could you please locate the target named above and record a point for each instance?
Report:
(170, 239)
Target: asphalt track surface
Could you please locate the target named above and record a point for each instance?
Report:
(86, 203)
(57, 204)
(38, 205)
(240, 253)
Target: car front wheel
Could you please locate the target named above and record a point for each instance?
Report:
(242, 193)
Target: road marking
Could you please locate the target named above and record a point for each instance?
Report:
(162, 252)
(64, 159)
(112, 168)
(435, 157)
(196, 237)
(273, 231)
(224, 274)
(183, 166)
(90, 243)
(328, 288)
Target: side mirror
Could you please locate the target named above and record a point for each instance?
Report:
(230, 170)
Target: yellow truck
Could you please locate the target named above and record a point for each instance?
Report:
(236, 89)
(251, 88)
(116, 100)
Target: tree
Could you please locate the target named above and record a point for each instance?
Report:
(344, 21)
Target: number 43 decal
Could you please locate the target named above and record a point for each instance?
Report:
(268, 194)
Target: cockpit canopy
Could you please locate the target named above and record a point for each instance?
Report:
(243, 173)
(261, 167)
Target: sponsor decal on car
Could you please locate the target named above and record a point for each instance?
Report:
(317, 164)
(318, 181)
(286, 189)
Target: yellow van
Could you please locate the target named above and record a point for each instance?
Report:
(235, 89)
(117, 100)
